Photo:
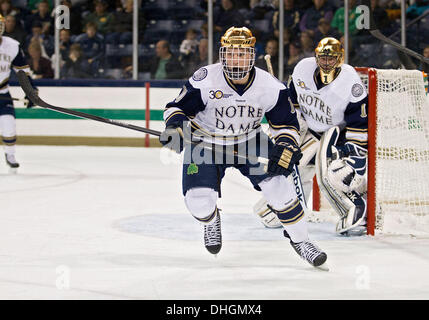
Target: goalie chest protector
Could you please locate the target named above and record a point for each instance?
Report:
(324, 108)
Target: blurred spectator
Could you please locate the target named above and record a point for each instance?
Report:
(7, 9)
(40, 66)
(190, 43)
(417, 8)
(307, 43)
(101, 17)
(204, 31)
(303, 5)
(43, 16)
(46, 41)
(424, 66)
(356, 59)
(310, 19)
(199, 59)
(75, 18)
(337, 22)
(260, 8)
(32, 5)
(93, 48)
(380, 15)
(76, 66)
(123, 25)
(291, 18)
(65, 43)
(14, 30)
(164, 65)
(294, 56)
(324, 30)
(271, 48)
(188, 47)
(225, 17)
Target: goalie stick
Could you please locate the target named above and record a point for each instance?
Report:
(34, 97)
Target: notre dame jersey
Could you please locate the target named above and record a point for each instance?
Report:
(227, 113)
(343, 102)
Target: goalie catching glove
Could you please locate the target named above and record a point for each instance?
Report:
(172, 137)
(347, 170)
(282, 158)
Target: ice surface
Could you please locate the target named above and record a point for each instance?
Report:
(110, 223)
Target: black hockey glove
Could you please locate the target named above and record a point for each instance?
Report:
(282, 158)
(172, 138)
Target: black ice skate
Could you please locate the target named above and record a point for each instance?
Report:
(213, 235)
(11, 161)
(309, 252)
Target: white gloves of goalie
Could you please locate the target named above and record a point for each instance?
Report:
(348, 173)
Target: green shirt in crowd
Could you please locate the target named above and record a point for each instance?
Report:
(338, 20)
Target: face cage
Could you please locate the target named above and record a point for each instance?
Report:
(237, 62)
(327, 67)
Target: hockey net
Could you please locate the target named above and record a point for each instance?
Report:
(398, 152)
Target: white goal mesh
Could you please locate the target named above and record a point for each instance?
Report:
(402, 153)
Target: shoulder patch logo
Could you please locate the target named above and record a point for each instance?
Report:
(200, 74)
(302, 84)
(357, 90)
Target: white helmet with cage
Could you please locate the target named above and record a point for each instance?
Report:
(237, 52)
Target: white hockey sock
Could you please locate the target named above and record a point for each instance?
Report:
(8, 129)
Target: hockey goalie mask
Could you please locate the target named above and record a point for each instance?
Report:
(2, 25)
(237, 52)
(329, 58)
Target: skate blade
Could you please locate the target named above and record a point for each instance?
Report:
(13, 170)
(323, 267)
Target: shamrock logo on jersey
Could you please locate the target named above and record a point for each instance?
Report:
(192, 168)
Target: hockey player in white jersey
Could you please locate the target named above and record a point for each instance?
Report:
(334, 104)
(11, 56)
(223, 105)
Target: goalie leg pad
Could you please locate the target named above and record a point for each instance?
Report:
(350, 206)
(201, 203)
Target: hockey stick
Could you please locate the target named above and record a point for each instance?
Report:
(295, 173)
(34, 97)
(375, 32)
